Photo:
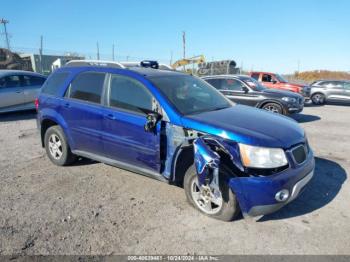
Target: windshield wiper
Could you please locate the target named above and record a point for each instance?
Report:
(219, 108)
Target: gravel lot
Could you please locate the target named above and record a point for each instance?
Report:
(92, 208)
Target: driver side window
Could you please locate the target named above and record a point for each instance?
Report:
(232, 85)
(127, 93)
(266, 78)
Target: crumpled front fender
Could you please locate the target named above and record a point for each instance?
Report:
(205, 160)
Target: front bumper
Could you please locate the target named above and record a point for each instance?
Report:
(256, 195)
(295, 109)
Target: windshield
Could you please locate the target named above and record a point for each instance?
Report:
(253, 84)
(191, 95)
(281, 79)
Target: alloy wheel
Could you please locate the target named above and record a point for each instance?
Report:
(207, 198)
(272, 108)
(55, 146)
(318, 99)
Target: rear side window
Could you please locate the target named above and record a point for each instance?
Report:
(215, 83)
(53, 83)
(128, 93)
(87, 86)
(33, 80)
(255, 76)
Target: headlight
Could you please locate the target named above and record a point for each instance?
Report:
(289, 99)
(262, 157)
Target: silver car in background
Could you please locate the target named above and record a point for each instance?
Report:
(18, 89)
(323, 91)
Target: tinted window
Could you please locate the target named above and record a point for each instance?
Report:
(87, 87)
(215, 83)
(190, 95)
(266, 78)
(347, 85)
(232, 85)
(54, 82)
(332, 84)
(33, 80)
(129, 94)
(252, 83)
(10, 81)
(255, 76)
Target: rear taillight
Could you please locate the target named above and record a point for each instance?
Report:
(36, 103)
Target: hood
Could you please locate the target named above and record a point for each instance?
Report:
(248, 125)
(281, 93)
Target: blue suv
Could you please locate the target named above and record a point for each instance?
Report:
(176, 128)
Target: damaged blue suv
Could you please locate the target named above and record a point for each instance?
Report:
(176, 128)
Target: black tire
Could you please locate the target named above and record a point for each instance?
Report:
(273, 107)
(229, 209)
(66, 157)
(318, 99)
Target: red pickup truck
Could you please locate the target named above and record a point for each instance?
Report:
(271, 80)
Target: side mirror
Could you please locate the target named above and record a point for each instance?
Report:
(274, 81)
(151, 121)
(245, 90)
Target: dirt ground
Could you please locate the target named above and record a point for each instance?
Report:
(91, 208)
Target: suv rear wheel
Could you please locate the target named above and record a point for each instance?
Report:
(218, 203)
(57, 147)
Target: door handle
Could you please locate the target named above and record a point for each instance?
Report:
(110, 116)
(67, 105)
(18, 91)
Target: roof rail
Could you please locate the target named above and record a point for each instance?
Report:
(147, 63)
(127, 64)
(73, 63)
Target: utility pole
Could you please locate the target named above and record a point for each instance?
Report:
(98, 51)
(171, 57)
(41, 54)
(4, 22)
(113, 52)
(127, 58)
(184, 46)
(298, 66)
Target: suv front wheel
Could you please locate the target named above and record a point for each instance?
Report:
(220, 203)
(57, 147)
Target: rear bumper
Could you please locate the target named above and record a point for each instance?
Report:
(257, 195)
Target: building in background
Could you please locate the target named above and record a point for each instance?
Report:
(45, 64)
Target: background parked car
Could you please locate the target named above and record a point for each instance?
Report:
(246, 90)
(18, 89)
(323, 91)
(276, 81)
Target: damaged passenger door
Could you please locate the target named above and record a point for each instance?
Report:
(131, 127)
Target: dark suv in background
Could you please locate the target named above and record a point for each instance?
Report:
(323, 91)
(247, 91)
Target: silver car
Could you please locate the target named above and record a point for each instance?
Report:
(323, 91)
(18, 89)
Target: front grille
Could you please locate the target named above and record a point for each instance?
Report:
(299, 154)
